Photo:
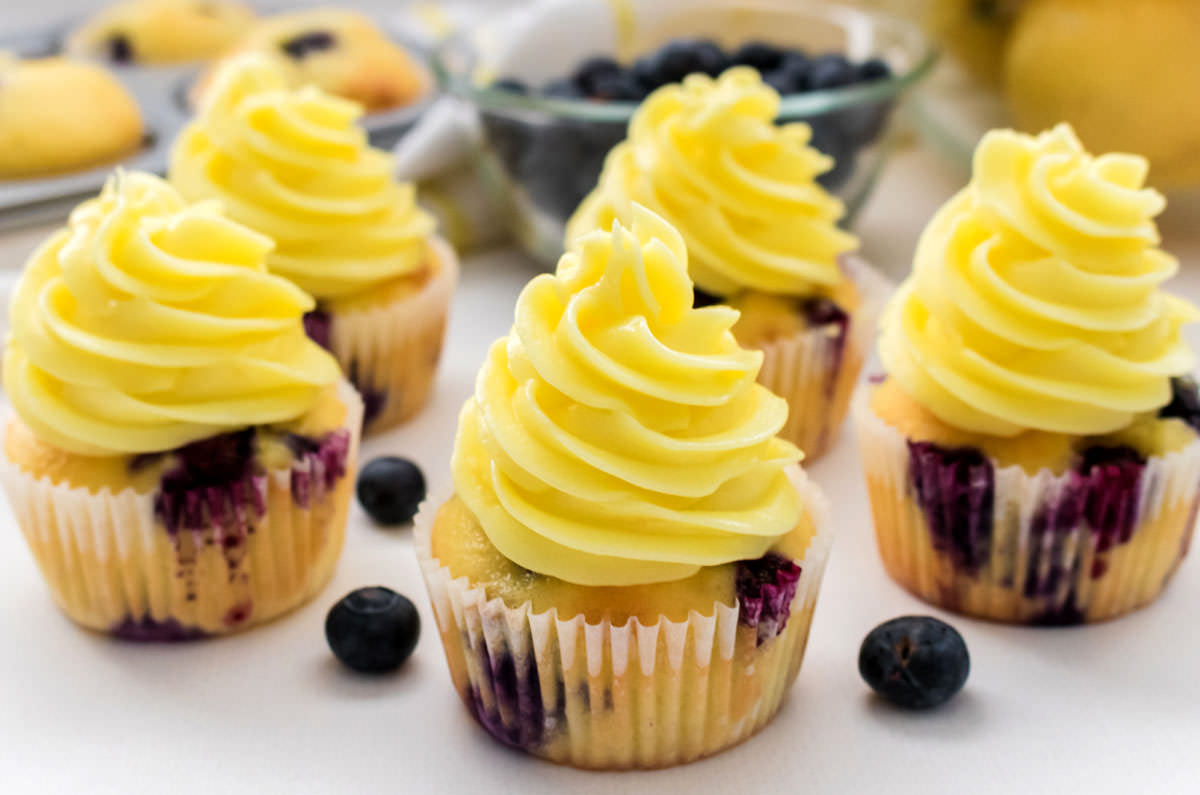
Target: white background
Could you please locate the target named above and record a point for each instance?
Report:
(1111, 708)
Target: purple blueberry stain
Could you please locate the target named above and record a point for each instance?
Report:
(517, 716)
(956, 490)
(149, 630)
(318, 325)
(307, 43)
(318, 465)
(374, 400)
(765, 589)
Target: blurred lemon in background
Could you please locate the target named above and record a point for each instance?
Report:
(974, 32)
(1123, 72)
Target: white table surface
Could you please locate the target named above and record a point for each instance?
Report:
(1111, 708)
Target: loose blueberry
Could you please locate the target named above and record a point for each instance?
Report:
(512, 85)
(758, 55)
(616, 87)
(120, 49)
(1185, 402)
(683, 57)
(831, 71)
(390, 489)
(916, 662)
(593, 69)
(874, 69)
(562, 89)
(373, 630)
(791, 76)
(305, 43)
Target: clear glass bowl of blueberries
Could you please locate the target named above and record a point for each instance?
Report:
(556, 82)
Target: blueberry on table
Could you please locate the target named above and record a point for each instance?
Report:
(916, 662)
(758, 55)
(390, 489)
(373, 630)
(831, 71)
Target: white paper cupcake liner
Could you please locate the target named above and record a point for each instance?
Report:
(599, 695)
(817, 369)
(113, 566)
(391, 352)
(1036, 563)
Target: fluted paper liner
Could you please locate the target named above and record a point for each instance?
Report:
(391, 352)
(816, 371)
(1031, 574)
(599, 695)
(113, 566)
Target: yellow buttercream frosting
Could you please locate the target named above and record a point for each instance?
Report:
(708, 156)
(1034, 301)
(617, 435)
(148, 323)
(295, 165)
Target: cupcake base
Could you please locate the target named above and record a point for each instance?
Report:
(817, 370)
(390, 351)
(964, 533)
(638, 694)
(148, 565)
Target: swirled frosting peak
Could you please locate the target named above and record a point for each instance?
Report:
(617, 435)
(296, 166)
(707, 156)
(148, 323)
(1035, 298)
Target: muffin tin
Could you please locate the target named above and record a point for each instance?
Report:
(161, 92)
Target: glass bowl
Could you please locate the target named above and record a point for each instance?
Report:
(548, 152)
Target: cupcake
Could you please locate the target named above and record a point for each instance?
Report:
(761, 235)
(1032, 454)
(341, 51)
(156, 32)
(295, 166)
(59, 116)
(626, 571)
(181, 456)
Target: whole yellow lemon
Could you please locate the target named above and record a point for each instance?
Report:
(974, 32)
(1123, 72)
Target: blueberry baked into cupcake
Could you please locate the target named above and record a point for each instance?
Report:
(153, 32)
(59, 115)
(181, 455)
(1032, 455)
(341, 51)
(294, 165)
(626, 572)
(761, 234)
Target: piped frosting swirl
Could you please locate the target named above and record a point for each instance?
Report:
(1034, 301)
(295, 165)
(707, 155)
(148, 323)
(617, 435)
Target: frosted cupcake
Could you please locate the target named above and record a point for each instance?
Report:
(181, 456)
(626, 572)
(1033, 455)
(295, 166)
(761, 234)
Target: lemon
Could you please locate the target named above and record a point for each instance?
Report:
(1123, 73)
(974, 32)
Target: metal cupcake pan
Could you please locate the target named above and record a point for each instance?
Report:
(162, 94)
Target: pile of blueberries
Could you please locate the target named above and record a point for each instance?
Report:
(788, 71)
(559, 163)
